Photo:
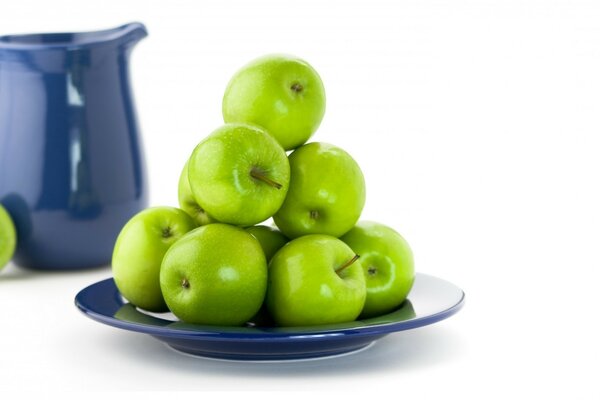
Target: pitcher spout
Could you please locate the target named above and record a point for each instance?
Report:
(131, 33)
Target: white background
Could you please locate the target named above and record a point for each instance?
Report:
(476, 124)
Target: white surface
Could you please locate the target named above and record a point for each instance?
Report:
(477, 126)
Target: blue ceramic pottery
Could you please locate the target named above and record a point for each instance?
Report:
(71, 163)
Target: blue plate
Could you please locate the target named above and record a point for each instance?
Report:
(430, 300)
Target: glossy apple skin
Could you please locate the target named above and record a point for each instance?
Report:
(188, 203)
(219, 173)
(326, 195)
(304, 288)
(388, 265)
(270, 239)
(215, 275)
(281, 93)
(8, 237)
(139, 250)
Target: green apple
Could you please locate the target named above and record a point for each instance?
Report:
(313, 280)
(281, 93)
(215, 275)
(388, 265)
(326, 195)
(139, 250)
(239, 174)
(8, 237)
(188, 202)
(270, 239)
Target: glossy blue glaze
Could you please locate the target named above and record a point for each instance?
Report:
(430, 300)
(71, 164)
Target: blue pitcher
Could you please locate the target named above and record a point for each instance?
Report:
(71, 163)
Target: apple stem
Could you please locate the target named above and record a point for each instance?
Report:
(296, 87)
(347, 264)
(257, 174)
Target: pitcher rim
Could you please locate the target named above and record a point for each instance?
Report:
(34, 41)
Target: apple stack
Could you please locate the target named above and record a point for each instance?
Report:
(208, 262)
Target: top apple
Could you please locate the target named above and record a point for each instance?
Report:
(281, 93)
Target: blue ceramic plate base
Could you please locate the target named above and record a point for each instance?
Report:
(273, 360)
(430, 300)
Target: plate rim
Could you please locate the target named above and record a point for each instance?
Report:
(264, 334)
